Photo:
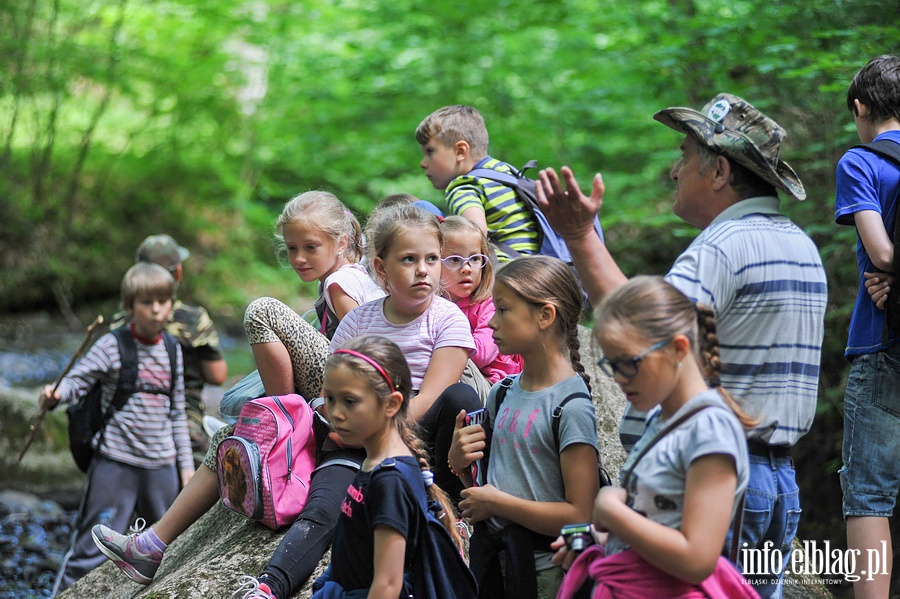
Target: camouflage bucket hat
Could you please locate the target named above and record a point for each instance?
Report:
(732, 127)
(162, 250)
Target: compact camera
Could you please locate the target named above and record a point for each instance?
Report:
(578, 537)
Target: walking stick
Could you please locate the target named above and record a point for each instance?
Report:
(40, 417)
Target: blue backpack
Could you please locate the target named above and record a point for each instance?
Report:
(549, 241)
(438, 570)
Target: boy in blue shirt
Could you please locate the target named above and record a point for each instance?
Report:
(454, 142)
(867, 188)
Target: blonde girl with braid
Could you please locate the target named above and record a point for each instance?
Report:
(535, 482)
(367, 393)
(664, 527)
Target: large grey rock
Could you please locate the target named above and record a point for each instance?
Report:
(210, 557)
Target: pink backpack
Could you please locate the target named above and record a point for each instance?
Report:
(265, 466)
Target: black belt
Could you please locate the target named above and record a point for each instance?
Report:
(764, 450)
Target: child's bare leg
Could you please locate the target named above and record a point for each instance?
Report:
(275, 369)
(195, 499)
(289, 352)
(871, 535)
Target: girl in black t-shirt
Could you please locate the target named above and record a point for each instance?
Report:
(367, 388)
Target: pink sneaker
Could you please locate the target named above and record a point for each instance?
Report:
(122, 550)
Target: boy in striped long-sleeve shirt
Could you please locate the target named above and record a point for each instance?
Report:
(144, 452)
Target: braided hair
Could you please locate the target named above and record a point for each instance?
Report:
(708, 347)
(541, 280)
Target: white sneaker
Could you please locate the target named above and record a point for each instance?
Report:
(212, 424)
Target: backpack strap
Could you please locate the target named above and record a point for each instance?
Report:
(413, 480)
(510, 180)
(505, 384)
(557, 414)
(884, 148)
(127, 375)
(659, 437)
(171, 349)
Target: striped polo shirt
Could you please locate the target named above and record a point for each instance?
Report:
(508, 219)
(764, 279)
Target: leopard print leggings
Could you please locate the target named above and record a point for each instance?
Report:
(268, 320)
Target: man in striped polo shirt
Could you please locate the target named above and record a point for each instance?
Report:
(454, 142)
(761, 274)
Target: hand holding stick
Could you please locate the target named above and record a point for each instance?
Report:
(40, 417)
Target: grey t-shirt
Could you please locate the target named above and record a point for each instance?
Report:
(657, 482)
(524, 459)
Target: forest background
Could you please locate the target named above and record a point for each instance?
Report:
(121, 118)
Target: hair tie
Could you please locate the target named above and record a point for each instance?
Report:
(715, 381)
(371, 362)
(439, 217)
(428, 478)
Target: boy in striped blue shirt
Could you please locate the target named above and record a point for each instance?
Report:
(454, 142)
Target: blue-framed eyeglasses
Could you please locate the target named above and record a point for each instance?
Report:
(476, 261)
(628, 367)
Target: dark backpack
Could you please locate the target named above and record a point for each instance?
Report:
(891, 150)
(86, 417)
(549, 241)
(438, 570)
(506, 383)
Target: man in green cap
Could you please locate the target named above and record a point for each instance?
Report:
(760, 273)
(204, 362)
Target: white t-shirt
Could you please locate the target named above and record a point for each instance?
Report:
(355, 281)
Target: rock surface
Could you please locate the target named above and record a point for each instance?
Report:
(210, 557)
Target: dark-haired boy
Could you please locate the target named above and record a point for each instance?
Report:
(867, 191)
(454, 142)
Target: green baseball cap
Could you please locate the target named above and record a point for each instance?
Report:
(732, 127)
(162, 250)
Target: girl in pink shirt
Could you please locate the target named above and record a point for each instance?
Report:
(467, 277)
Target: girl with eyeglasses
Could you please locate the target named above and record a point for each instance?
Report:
(667, 522)
(467, 277)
